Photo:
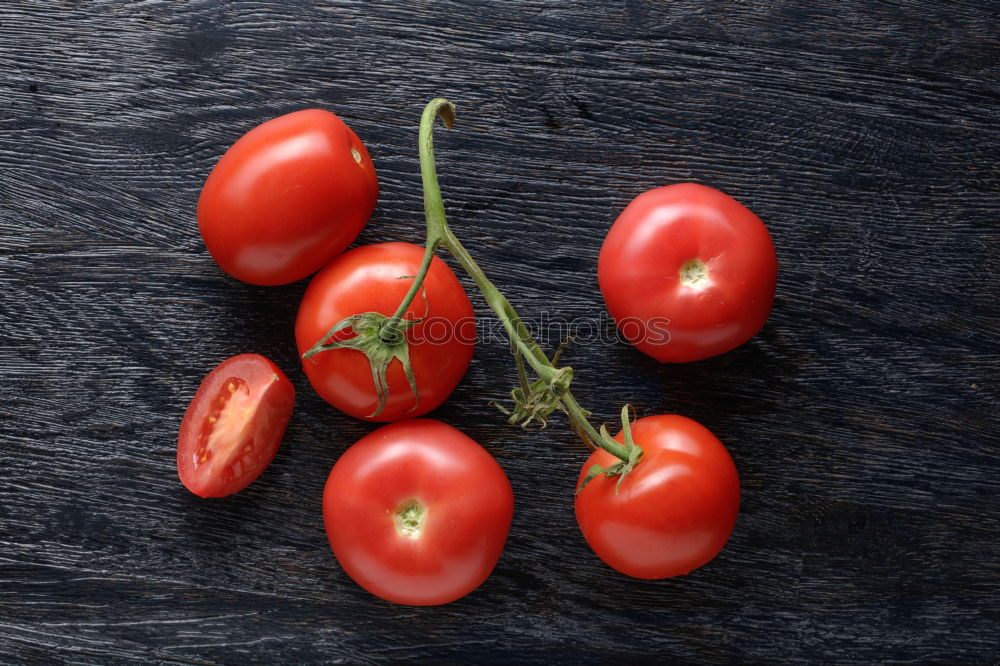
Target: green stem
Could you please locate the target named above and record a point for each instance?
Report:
(433, 205)
(512, 323)
(578, 416)
(438, 233)
(437, 229)
(392, 329)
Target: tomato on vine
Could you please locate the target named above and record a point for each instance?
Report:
(671, 511)
(662, 497)
(417, 513)
(658, 500)
(368, 355)
(687, 272)
(287, 197)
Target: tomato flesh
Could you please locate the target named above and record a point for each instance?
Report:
(417, 513)
(674, 512)
(233, 426)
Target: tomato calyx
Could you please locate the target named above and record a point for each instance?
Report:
(381, 339)
(410, 518)
(535, 401)
(623, 467)
(694, 274)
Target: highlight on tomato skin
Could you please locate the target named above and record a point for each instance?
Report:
(417, 513)
(687, 272)
(234, 425)
(287, 197)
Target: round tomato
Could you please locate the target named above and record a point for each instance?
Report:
(417, 513)
(673, 512)
(687, 272)
(233, 426)
(287, 197)
(375, 278)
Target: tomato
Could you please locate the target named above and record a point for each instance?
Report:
(417, 513)
(233, 426)
(687, 272)
(287, 197)
(368, 279)
(673, 512)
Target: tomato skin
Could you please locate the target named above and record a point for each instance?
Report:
(251, 400)
(469, 506)
(287, 197)
(639, 272)
(674, 512)
(367, 279)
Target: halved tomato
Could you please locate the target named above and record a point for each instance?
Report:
(233, 426)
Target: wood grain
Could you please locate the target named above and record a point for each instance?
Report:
(862, 418)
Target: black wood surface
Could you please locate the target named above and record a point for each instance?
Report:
(862, 418)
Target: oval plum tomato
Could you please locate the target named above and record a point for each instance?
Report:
(673, 512)
(687, 272)
(233, 426)
(372, 278)
(417, 513)
(287, 197)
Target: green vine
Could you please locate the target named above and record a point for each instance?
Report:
(383, 338)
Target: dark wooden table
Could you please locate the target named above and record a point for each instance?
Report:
(862, 418)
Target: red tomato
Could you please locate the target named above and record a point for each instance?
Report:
(687, 272)
(417, 513)
(676, 509)
(233, 426)
(367, 279)
(287, 197)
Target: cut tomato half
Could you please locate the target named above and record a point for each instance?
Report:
(233, 426)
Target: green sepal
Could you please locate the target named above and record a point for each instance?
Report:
(592, 473)
(541, 398)
(605, 434)
(537, 400)
(368, 339)
(627, 426)
(620, 468)
(633, 449)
